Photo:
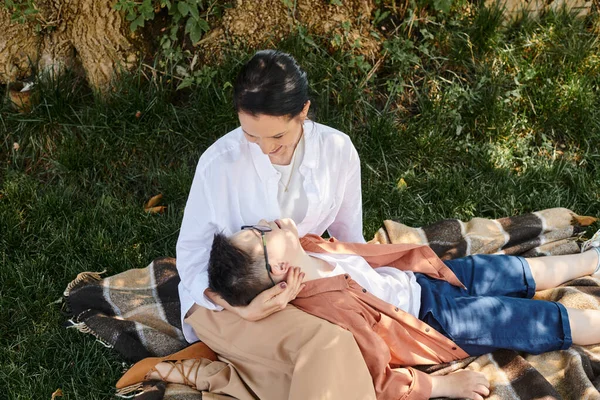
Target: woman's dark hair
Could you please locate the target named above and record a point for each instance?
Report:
(271, 83)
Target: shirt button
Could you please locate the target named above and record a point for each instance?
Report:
(427, 329)
(364, 290)
(396, 309)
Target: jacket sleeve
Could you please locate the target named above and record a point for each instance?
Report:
(195, 241)
(348, 223)
(390, 384)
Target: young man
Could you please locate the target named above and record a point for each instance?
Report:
(405, 306)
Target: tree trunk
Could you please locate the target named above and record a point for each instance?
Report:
(18, 48)
(89, 32)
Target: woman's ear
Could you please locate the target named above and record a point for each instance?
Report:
(304, 112)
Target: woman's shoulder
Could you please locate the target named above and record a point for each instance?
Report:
(331, 139)
(227, 148)
(326, 132)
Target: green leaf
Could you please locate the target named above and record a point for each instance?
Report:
(183, 8)
(30, 11)
(196, 33)
(173, 32)
(442, 5)
(189, 25)
(203, 25)
(194, 12)
(147, 9)
(139, 21)
(187, 82)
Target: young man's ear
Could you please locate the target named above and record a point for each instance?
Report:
(280, 269)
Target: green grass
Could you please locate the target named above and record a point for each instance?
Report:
(479, 119)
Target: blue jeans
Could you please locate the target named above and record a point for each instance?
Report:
(496, 310)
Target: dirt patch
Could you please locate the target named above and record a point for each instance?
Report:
(264, 23)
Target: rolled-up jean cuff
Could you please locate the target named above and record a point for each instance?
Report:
(566, 325)
(528, 277)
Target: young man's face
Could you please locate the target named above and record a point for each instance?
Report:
(283, 244)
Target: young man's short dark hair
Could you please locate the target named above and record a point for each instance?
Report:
(234, 274)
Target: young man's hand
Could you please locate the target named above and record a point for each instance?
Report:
(462, 384)
(270, 301)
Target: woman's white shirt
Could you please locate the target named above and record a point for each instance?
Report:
(235, 184)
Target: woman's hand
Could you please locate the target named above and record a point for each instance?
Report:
(269, 301)
(460, 385)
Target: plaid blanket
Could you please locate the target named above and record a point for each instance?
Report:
(137, 312)
(548, 232)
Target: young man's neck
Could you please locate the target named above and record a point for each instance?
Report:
(313, 267)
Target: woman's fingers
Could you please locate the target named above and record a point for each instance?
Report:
(293, 279)
(277, 297)
(275, 291)
(292, 284)
(295, 283)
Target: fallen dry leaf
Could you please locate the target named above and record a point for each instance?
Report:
(57, 393)
(156, 210)
(153, 201)
(152, 206)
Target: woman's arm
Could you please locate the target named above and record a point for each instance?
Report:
(348, 225)
(195, 239)
(193, 252)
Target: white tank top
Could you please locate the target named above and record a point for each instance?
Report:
(293, 202)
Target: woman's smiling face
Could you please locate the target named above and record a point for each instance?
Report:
(277, 137)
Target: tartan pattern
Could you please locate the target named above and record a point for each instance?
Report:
(553, 231)
(137, 311)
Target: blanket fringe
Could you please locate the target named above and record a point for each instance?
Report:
(83, 277)
(83, 328)
(126, 392)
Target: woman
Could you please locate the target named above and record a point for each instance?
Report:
(276, 164)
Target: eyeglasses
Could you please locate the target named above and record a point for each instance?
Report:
(262, 229)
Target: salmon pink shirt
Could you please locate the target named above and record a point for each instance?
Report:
(390, 339)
